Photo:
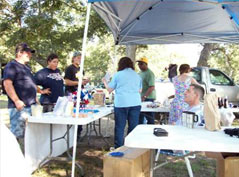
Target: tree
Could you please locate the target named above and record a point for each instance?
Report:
(205, 54)
(226, 57)
(131, 51)
(48, 26)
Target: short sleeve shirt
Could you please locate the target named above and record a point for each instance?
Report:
(127, 84)
(52, 79)
(23, 82)
(148, 80)
(70, 73)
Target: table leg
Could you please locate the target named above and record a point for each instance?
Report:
(100, 134)
(152, 156)
(107, 127)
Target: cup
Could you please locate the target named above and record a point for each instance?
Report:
(36, 110)
(189, 119)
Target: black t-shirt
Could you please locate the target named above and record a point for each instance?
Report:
(23, 82)
(48, 78)
(70, 73)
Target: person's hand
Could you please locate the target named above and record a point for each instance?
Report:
(103, 80)
(19, 105)
(142, 98)
(46, 91)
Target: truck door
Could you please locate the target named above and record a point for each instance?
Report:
(223, 85)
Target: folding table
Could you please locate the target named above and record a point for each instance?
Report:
(181, 138)
(48, 136)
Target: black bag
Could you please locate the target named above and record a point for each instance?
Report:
(160, 132)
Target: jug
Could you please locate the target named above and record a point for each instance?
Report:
(36, 110)
(189, 119)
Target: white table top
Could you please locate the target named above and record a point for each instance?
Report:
(51, 118)
(182, 138)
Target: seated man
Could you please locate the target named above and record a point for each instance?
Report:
(192, 97)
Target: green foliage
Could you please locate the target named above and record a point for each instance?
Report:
(48, 26)
(226, 57)
(98, 60)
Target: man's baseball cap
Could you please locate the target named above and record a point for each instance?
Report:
(76, 54)
(23, 47)
(143, 59)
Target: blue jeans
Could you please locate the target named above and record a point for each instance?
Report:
(130, 114)
(150, 116)
(17, 121)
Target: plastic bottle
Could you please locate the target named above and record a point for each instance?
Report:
(225, 103)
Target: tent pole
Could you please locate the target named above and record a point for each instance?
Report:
(79, 86)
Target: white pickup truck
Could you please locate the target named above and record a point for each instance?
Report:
(213, 80)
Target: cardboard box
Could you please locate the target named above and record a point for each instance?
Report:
(99, 98)
(134, 163)
(227, 163)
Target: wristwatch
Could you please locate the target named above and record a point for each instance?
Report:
(144, 96)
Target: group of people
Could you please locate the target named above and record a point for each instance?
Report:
(130, 88)
(22, 86)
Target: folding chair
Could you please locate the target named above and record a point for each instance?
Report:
(184, 154)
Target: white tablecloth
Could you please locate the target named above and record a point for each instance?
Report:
(182, 138)
(12, 162)
(37, 135)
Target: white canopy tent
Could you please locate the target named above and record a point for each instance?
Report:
(163, 22)
(170, 21)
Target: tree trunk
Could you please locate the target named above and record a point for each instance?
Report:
(205, 53)
(130, 51)
(40, 60)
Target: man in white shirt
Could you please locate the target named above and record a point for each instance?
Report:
(192, 96)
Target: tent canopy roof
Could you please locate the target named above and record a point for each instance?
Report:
(170, 21)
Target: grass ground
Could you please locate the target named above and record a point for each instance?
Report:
(91, 158)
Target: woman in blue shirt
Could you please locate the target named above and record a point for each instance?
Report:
(127, 103)
(51, 81)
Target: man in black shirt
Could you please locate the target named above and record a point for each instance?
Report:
(72, 74)
(20, 88)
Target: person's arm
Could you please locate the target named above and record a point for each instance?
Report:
(70, 82)
(193, 81)
(106, 86)
(44, 91)
(8, 85)
(147, 93)
(151, 83)
(75, 83)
